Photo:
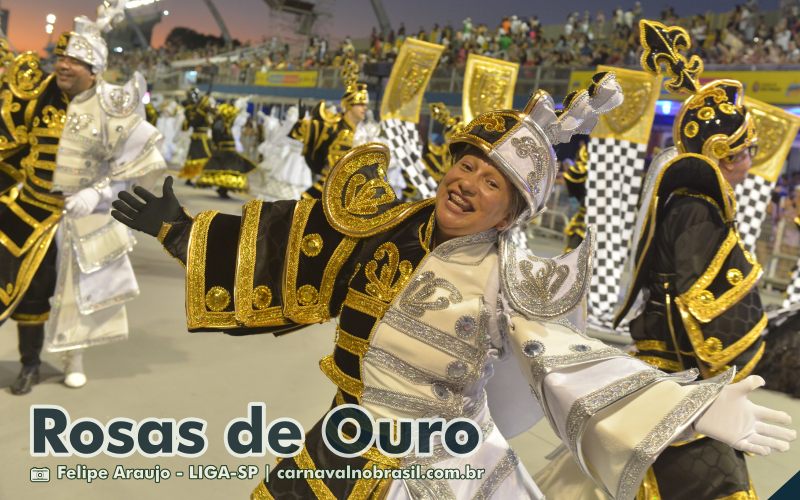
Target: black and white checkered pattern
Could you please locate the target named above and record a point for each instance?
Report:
(752, 197)
(614, 182)
(405, 147)
(793, 292)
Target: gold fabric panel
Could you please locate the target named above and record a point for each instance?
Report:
(197, 315)
(11, 293)
(410, 75)
(776, 130)
(488, 85)
(302, 305)
(342, 380)
(248, 298)
(711, 350)
(354, 204)
(633, 119)
(700, 302)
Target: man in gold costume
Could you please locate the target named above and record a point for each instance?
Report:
(691, 273)
(326, 137)
(199, 112)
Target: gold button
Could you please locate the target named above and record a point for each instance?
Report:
(312, 245)
(713, 345)
(705, 297)
(217, 298)
(307, 295)
(262, 297)
(734, 276)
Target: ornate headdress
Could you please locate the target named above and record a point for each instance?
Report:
(355, 92)
(85, 42)
(521, 143)
(712, 121)
(451, 124)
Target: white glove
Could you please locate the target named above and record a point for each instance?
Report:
(742, 424)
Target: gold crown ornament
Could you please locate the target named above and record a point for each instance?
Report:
(355, 92)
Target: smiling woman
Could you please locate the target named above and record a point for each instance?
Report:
(433, 299)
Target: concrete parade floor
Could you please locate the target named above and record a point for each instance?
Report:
(163, 371)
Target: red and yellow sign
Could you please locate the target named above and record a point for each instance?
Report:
(286, 78)
(774, 87)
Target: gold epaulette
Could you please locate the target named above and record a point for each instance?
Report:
(358, 200)
(320, 112)
(25, 77)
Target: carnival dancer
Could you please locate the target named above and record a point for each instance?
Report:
(169, 123)
(283, 173)
(227, 169)
(432, 300)
(81, 143)
(693, 278)
(199, 114)
(327, 136)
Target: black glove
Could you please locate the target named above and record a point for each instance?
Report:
(148, 215)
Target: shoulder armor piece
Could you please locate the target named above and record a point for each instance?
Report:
(542, 288)
(687, 172)
(320, 112)
(25, 77)
(358, 200)
(121, 101)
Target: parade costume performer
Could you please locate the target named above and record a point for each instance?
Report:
(227, 169)
(575, 180)
(436, 157)
(691, 276)
(282, 173)
(199, 114)
(433, 299)
(327, 136)
(70, 160)
(170, 123)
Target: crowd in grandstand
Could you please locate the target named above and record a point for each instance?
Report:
(745, 35)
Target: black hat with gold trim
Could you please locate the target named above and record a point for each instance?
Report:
(520, 143)
(712, 121)
(355, 92)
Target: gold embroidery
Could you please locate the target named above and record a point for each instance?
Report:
(651, 345)
(217, 298)
(352, 204)
(491, 122)
(247, 297)
(734, 276)
(716, 358)
(25, 78)
(691, 129)
(163, 232)
(196, 314)
(701, 302)
(261, 493)
(748, 368)
(365, 304)
(342, 380)
(706, 113)
(262, 297)
(351, 343)
(661, 363)
(319, 488)
(712, 345)
(727, 108)
(307, 295)
(312, 245)
(387, 286)
(30, 319)
(303, 305)
(28, 267)
(649, 487)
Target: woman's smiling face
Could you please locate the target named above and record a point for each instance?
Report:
(473, 196)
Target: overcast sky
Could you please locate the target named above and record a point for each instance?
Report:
(250, 19)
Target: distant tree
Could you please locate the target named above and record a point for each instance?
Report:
(190, 39)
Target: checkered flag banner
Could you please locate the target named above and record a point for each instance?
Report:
(612, 191)
(405, 147)
(793, 292)
(752, 198)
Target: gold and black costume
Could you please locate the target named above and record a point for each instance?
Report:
(326, 138)
(696, 278)
(575, 179)
(226, 169)
(199, 115)
(436, 157)
(33, 117)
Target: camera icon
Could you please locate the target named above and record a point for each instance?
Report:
(40, 475)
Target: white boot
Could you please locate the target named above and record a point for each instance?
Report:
(74, 369)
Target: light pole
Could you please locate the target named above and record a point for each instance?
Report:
(48, 28)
